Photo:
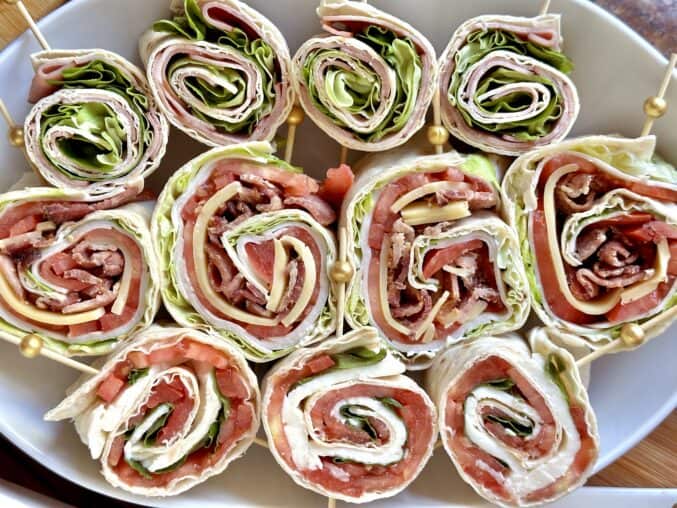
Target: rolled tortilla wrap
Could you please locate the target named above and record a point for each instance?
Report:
(597, 221)
(244, 250)
(79, 274)
(95, 126)
(343, 421)
(369, 80)
(220, 71)
(503, 84)
(515, 418)
(432, 264)
(169, 410)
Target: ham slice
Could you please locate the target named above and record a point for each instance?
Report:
(185, 373)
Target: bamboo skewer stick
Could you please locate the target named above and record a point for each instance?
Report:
(31, 23)
(261, 442)
(295, 118)
(15, 131)
(31, 346)
(344, 155)
(544, 8)
(656, 106)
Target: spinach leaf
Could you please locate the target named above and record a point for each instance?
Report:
(136, 374)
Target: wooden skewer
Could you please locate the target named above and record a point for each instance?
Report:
(656, 106)
(295, 118)
(632, 335)
(437, 133)
(344, 155)
(341, 272)
(544, 7)
(31, 346)
(31, 23)
(261, 442)
(331, 502)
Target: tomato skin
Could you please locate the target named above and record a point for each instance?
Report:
(434, 261)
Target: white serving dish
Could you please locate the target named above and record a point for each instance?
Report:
(615, 71)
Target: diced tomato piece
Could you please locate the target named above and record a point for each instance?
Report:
(109, 388)
(230, 383)
(204, 353)
(166, 392)
(24, 225)
(139, 359)
(176, 420)
(434, 261)
(116, 449)
(82, 329)
(122, 369)
(260, 256)
(336, 184)
(320, 363)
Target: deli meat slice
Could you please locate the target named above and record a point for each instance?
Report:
(343, 421)
(433, 264)
(220, 71)
(123, 139)
(598, 218)
(515, 418)
(245, 250)
(80, 275)
(369, 80)
(172, 408)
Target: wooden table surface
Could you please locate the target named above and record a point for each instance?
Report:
(652, 463)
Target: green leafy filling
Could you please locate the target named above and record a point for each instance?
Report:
(233, 92)
(519, 429)
(136, 374)
(98, 146)
(358, 421)
(350, 359)
(478, 45)
(357, 91)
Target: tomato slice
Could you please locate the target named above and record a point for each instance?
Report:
(230, 383)
(672, 267)
(628, 311)
(260, 256)
(438, 258)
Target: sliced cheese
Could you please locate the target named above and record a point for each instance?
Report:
(428, 322)
(43, 316)
(383, 291)
(596, 307)
(645, 287)
(125, 284)
(199, 239)
(424, 213)
(309, 278)
(424, 190)
(279, 283)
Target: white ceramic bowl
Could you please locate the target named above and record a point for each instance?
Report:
(615, 71)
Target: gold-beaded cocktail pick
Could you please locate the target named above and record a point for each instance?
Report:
(656, 106)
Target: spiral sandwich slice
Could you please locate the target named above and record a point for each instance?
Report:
(220, 71)
(169, 410)
(77, 273)
(515, 418)
(343, 421)
(95, 126)
(245, 251)
(367, 83)
(433, 265)
(598, 223)
(504, 85)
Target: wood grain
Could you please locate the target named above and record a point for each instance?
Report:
(652, 463)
